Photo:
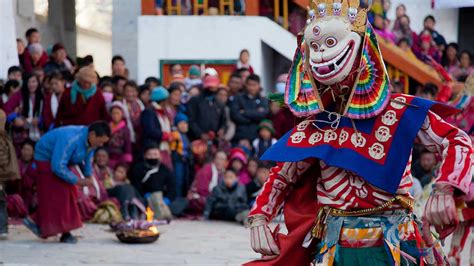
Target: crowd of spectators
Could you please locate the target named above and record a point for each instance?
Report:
(188, 148)
(427, 45)
(191, 147)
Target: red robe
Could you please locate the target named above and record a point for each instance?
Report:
(300, 210)
(29, 66)
(82, 112)
(58, 211)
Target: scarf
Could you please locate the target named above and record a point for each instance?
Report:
(164, 123)
(54, 105)
(85, 189)
(214, 178)
(129, 110)
(4, 98)
(86, 93)
(116, 127)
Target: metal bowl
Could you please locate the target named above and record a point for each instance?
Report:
(137, 236)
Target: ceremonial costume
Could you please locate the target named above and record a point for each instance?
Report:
(349, 159)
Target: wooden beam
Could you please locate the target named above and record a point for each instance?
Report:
(285, 14)
(148, 7)
(252, 8)
(401, 60)
(276, 11)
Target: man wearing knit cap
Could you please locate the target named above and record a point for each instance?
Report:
(157, 126)
(81, 104)
(58, 62)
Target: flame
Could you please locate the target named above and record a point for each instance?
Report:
(154, 229)
(149, 214)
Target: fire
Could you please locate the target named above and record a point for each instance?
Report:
(154, 229)
(149, 214)
(149, 218)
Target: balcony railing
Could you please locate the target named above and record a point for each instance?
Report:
(400, 65)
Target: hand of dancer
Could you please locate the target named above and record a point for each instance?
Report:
(262, 239)
(440, 210)
(84, 182)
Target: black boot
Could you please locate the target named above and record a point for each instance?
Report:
(68, 238)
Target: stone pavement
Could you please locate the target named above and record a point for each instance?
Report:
(181, 243)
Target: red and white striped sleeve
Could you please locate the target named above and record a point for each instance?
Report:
(275, 189)
(455, 148)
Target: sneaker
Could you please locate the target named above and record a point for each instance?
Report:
(68, 238)
(3, 236)
(32, 226)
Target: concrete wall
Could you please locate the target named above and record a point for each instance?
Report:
(447, 18)
(25, 18)
(8, 51)
(58, 26)
(210, 37)
(124, 32)
(97, 45)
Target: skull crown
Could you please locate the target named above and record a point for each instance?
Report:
(340, 8)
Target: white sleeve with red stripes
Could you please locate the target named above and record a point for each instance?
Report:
(455, 148)
(275, 189)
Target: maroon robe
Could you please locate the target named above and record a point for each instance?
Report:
(29, 66)
(120, 145)
(300, 210)
(47, 114)
(82, 112)
(200, 187)
(28, 184)
(283, 122)
(55, 196)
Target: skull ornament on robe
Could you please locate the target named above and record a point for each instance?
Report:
(333, 48)
(376, 151)
(298, 137)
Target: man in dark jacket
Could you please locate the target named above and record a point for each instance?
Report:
(151, 176)
(206, 114)
(228, 200)
(248, 109)
(57, 62)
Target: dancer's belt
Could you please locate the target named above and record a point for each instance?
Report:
(320, 222)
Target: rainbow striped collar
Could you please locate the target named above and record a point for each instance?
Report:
(369, 96)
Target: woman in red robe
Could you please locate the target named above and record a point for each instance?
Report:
(82, 104)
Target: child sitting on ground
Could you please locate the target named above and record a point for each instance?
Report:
(28, 174)
(130, 201)
(102, 170)
(238, 163)
(228, 200)
(253, 188)
(265, 137)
